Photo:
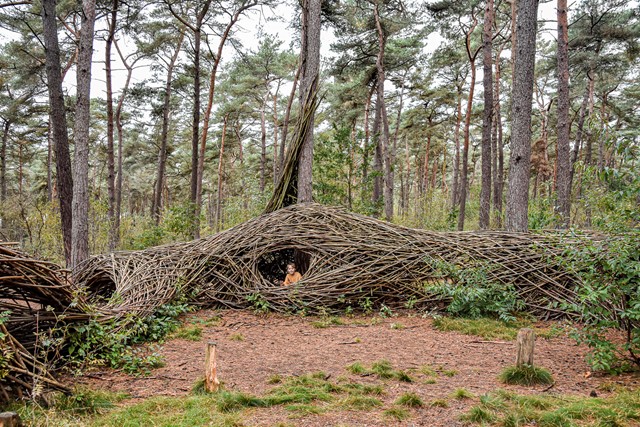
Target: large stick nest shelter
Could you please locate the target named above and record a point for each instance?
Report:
(351, 258)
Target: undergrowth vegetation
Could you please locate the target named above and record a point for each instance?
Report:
(114, 345)
(504, 408)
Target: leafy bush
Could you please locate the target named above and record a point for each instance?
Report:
(472, 294)
(609, 272)
(112, 344)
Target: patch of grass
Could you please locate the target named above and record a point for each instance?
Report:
(191, 333)
(304, 410)
(491, 329)
(383, 369)
(510, 410)
(525, 375)
(228, 401)
(430, 381)
(479, 415)
(403, 376)
(411, 400)
(354, 388)
(461, 394)
(327, 322)
(397, 326)
(398, 414)
(360, 403)
(357, 368)
(237, 337)
(274, 379)
(428, 371)
(449, 372)
(440, 403)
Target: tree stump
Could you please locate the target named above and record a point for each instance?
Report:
(524, 347)
(10, 419)
(211, 383)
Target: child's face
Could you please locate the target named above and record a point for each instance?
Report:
(291, 269)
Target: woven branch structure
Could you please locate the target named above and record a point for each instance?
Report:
(35, 296)
(351, 257)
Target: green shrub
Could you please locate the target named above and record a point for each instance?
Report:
(472, 294)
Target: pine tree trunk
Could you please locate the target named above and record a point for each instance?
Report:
(263, 148)
(497, 152)
(164, 136)
(455, 188)
(3, 162)
(118, 122)
(485, 191)
(310, 57)
(563, 168)
(376, 196)
(218, 216)
(464, 181)
(111, 183)
(58, 123)
(207, 114)
(80, 220)
(287, 115)
(516, 218)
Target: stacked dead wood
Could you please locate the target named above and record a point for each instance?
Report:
(35, 298)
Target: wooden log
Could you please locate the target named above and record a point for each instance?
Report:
(524, 347)
(10, 419)
(211, 383)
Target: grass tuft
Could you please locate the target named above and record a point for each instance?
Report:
(461, 394)
(190, 333)
(398, 414)
(440, 403)
(237, 337)
(383, 369)
(357, 368)
(411, 400)
(327, 322)
(526, 375)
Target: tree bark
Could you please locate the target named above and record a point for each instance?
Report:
(518, 195)
(487, 62)
(111, 184)
(263, 147)
(80, 229)
(118, 122)
(310, 63)
(287, 115)
(455, 188)
(164, 136)
(498, 152)
(563, 169)
(58, 123)
(3, 163)
(387, 152)
(464, 181)
(220, 159)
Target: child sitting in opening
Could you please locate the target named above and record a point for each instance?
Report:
(292, 275)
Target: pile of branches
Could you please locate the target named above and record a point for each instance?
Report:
(35, 298)
(351, 258)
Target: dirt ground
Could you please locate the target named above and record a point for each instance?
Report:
(253, 348)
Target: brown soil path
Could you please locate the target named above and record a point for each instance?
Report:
(252, 348)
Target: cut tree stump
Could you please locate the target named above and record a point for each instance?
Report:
(524, 347)
(211, 383)
(10, 419)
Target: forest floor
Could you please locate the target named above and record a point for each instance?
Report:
(256, 351)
